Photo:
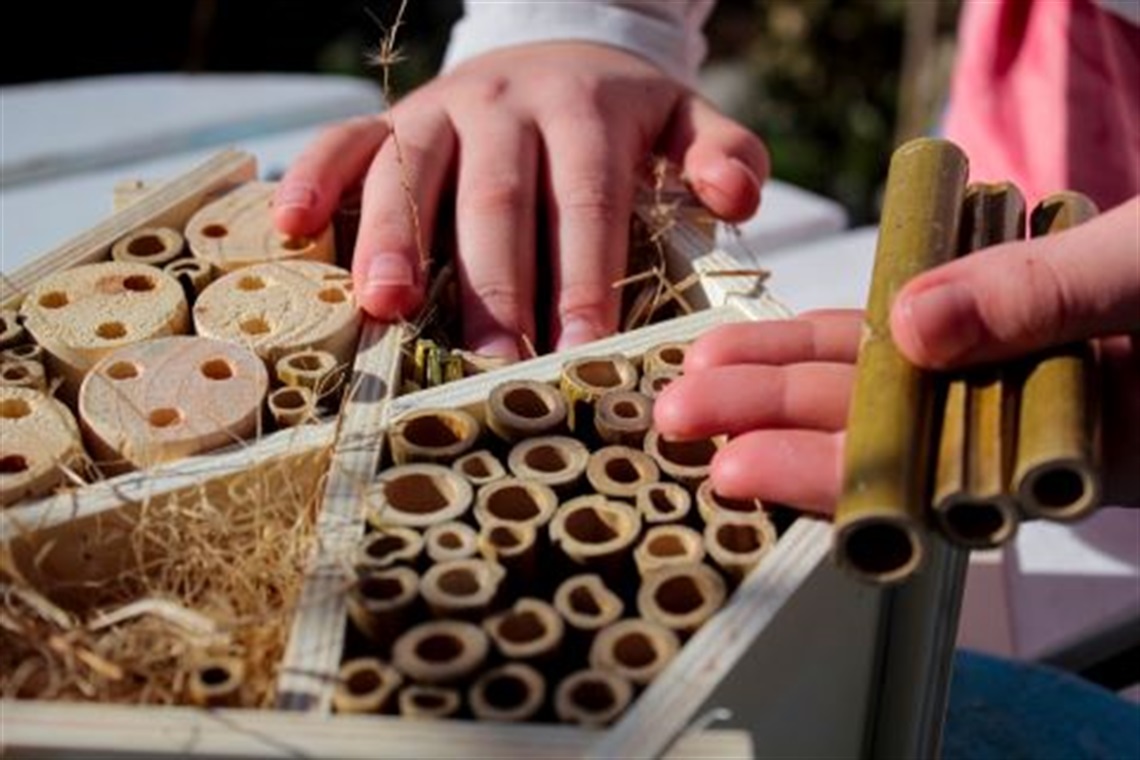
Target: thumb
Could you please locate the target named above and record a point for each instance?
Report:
(1015, 298)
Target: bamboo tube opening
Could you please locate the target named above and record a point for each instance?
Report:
(440, 651)
(433, 435)
(479, 467)
(652, 383)
(524, 408)
(669, 356)
(593, 529)
(666, 545)
(380, 601)
(462, 586)
(979, 522)
(217, 682)
(1058, 491)
(592, 697)
(511, 692)
(663, 502)
(737, 544)
(310, 368)
(881, 551)
(585, 603)
(681, 597)
(387, 546)
(420, 495)
(150, 245)
(32, 352)
(623, 417)
(620, 471)
(22, 373)
(687, 462)
(515, 501)
(712, 505)
(421, 701)
(365, 685)
(635, 648)
(449, 541)
(291, 406)
(558, 461)
(528, 630)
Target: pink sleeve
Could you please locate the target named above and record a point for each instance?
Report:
(1047, 95)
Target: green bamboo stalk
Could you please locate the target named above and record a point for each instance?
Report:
(973, 505)
(879, 519)
(1055, 472)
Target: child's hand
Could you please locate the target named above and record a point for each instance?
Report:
(781, 389)
(556, 130)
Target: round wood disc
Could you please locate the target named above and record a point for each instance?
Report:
(38, 439)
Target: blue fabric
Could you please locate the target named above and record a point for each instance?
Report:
(1008, 710)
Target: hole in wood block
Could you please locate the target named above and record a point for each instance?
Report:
(111, 330)
(332, 295)
(254, 326)
(593, 696)
(588, 527)
(526, 402)
(215, 675)
(14, 408)
(505, 691)
(513, 503)
(250, 283)
(622, 470)
(217, 369)
(12, 464)
(546, 459)
(739, 539)
(15, 373)
(297, 243)
(522, 627)
(679, 596)
(635, 650)
(146, 246)
(165, 417)
(55, 299)
(415, 493)
(26, 351)
(459, 582)
(138, 283)
(215, 231)
(439, 647)
(123, 371)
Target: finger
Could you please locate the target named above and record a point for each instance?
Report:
(1015, 298)
(740, 398)
(725, 164)
(590, 202)
(398, 210)
(800, 468)
(495, 217)
(821, 336)
(309, 192)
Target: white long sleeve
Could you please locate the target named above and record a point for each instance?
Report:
(666, 32)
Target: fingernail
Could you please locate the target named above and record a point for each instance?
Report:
(295, 196)
(575, 332)
(942, 322)
(387, 270)
(499, 346)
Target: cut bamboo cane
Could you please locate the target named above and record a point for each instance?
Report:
(512, 545)
(584, 381)
(508, 694)
(366, 686)
(595, 532)
(39, 444)
(712, 505)
(972, 502)
(418, 496)
(316, 370)
(666, 545)
(652, 383)
(156, 246)
(686, 462)
(479, 467)
(193, 274)
(420, 701)
(681, 597)
(292, 406)
(879, 518)
(531, 630)
(514, 500)
(217, 682)
(738, 544)
(462, 588)
(27, 352)
(12, 331)
(23, 373)
(519, 409)
(433, 435)
(669, 356)
(619, 471)
(450, 540)
(623, 417)
(381, 603)
(659, 503)
(635, 649)
(1055, 474)
(386, 546)
(556, 460)
(592, 698)
(441, 651)
(587, 604)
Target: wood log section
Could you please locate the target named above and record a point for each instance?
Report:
(418, 496)
(429, 702)
(583, 381)
(520, 409)
(686, 462)
(597, 533)
(278, 309)
(237, 230)
(164, 399)
(217, 682)
(156, 246)
(451, 540)
(619, 471)
(318, 371)
(462, 588)
(623, 417)
(652, 383)
(479, 467)
(556, 460)
(387, 545)
(738, 544)
(665, 545)
(25, 352)
(193, 274)
(660, 503)
(432, 435)
(514, 500)
(681, 597)
(82, 314)
(667, 356)
(294, 406)
(711, 505)
(530, 631)
(508, 694)
(635, 649)
(39, 444)
(381, 603)
(366, 686)
(592, 698)
(441, 652)
(23, 373)
(12, 331)
(587, 604)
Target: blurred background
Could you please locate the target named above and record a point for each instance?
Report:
(831, 85)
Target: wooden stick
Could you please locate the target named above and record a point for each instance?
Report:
(441, 651)
(418, 496)
(217, 682)
(686, 462)
(366, 686)
(878, 522)
(738, 544)
(381, 603)
(531, 630)
(508, 694)
(515, 500)
(432, 435)
(462, 588)
(972, 502)
(386, 546)
(659, 503)
(666, 545)
(1055, 472)
(619, 471)
(39, 444)
(635, 649)
(156, 246)
(592, 698)
(479, 467)
(556, 460)
(450, 540)
(420, 701)
(519, 409)
(623, 417)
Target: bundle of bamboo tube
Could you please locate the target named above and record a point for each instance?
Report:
(972, 453)
(539, 558)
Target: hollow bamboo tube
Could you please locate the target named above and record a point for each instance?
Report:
(462, 588)
(681, 597)
(556, 460)
(193, 274)
(878, 532)
(23, 373)
(12, 331)
(531, 630)
(660, 503)
(27, 352)
(440, 651)
(587, 604)
(1054, 472)
(666, 545)
(670, 356)
(584, 380)
(635, 648)
(623, 417)
(509, 693)
(217, 682)
(519, 409)
(418, 496)
(738, 544)
(712, 505)
(310, 368)
(515, 500)
(381, 603)
(512, 545)
(386, 546)
(480, 467)
(592, 698)
(652, 383)
(432, 435)
(366, 686)
(595, 532)
(972, 503)
(686, 462)
(428, 702)
(292, 406)
(619, 471)
(450, 540)
(156, 246)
